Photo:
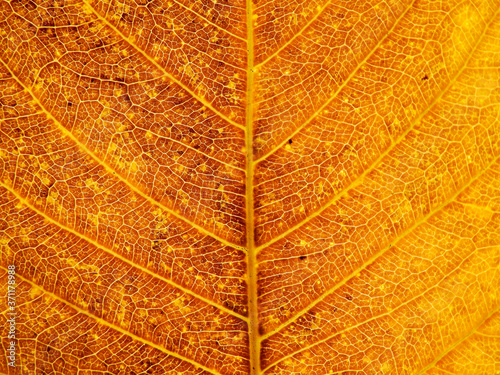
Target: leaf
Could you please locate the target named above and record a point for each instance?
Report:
(269, 187)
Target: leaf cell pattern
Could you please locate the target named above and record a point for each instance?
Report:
(262, 187)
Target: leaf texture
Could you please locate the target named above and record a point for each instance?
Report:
(255, 187)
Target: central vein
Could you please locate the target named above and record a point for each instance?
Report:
(251, 255)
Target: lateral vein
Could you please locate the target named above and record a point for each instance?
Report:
(373, 318)
(379, 254)
(299, 33)
(457, 343)
(118, 329)
(110, 170)
(164, 71)
(395, 143)
(417, 223)
(121, 257)
(339, 89)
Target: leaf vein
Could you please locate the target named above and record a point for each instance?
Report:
(385, 153)
(459, 341)
(120, 257)
(402, 235)
(299, 33)
(340, 88)
(414, 298)
(151, 60)
(118, 329)
(113, 172)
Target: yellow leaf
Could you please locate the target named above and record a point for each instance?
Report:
(250, 188)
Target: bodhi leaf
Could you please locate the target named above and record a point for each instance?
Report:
(262, 187)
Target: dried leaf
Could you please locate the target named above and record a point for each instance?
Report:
(268, 187)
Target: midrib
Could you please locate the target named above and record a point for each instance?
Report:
(254, 348)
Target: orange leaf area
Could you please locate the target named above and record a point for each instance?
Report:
(260, 187)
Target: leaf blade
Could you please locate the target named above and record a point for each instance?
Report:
(249, 187)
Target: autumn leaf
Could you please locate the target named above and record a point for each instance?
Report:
(263, 187)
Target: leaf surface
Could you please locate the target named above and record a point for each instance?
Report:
(259, 187)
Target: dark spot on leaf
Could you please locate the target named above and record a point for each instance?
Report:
(156, 246)
(126, 98)
(44, 192)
